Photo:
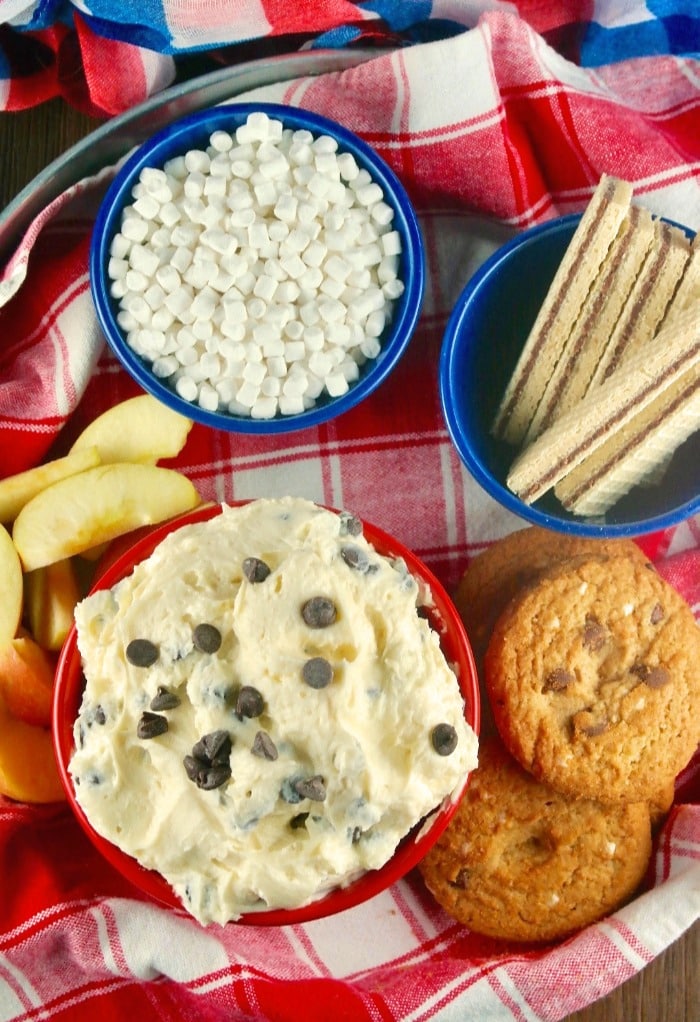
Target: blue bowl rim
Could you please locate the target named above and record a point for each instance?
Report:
(407, 308)
(448, 384)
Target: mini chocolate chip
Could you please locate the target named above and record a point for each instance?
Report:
(141, 652)
(255, 570)
(319, 612)
(558, 680)
(298, 821)
(583, 725)
(461, 881)
(164, 699)
(249, 702)
(444, 739)
(593, 730)
(206, 775)
(594, 635)
(263, 746)
(213, 748)
(355, 557)
(311, 787)
(213, 777)
(350, 525)
(317, 672)
(151, 725)
(657, 614)
(194, 766)
(653, 677)
(207, 638)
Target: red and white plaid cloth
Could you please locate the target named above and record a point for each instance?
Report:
(491, 131)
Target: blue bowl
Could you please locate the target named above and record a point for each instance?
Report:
(193, 132)
(483, 339)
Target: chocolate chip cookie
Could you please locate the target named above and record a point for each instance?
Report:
(494, 577)
(594, 679)
(521, 862)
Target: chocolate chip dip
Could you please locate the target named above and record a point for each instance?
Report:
(266, 714)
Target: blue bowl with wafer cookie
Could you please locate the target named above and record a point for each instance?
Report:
(602, 338)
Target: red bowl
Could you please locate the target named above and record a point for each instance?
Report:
(68, 691)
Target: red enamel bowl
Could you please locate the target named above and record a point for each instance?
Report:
(68, 692)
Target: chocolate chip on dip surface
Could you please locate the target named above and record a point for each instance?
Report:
(248, 761)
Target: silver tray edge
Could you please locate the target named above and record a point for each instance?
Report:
(109, 142)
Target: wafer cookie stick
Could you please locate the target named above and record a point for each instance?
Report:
(595, 233)
(596, 323)
(636, 452)
(647, 303)
(607, 409)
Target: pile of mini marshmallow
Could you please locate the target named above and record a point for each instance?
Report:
(258, 273)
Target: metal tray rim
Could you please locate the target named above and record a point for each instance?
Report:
(108, 142)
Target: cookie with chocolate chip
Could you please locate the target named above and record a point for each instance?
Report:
(592, 674)
(520, 861)
(500, 571)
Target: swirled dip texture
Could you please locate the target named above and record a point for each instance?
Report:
(265, 713)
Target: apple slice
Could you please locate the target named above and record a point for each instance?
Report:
(140, 430)
(11, 587)
(26, 681)
(77, 513)
(50, 596)
(17, 490)
(28, 771)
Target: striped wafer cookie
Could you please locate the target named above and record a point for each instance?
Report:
(607, 408)
(636, 453)
(646, 304)
(596, 323)
(572, 282)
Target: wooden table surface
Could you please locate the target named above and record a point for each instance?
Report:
(668, 989)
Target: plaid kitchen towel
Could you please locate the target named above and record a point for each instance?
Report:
(105, 55)
(491, 130)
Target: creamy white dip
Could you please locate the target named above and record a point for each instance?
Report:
(316, 770)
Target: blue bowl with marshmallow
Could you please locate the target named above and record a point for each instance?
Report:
(258, 268)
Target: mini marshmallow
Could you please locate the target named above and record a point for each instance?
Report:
(347, 165)
(117, 268)
(370, 347)
(263, 408)
(291, 404)
(135, 281)
(391, 243)
(309, 314)
(382, 213)
(221, 141)
(165, 366)
(197, 160)
(186, 388)
(254, 373)
(155, 296)
(208, 398)
(247, 394)
(134, 229)
(147, 207)
(294, 351)
(143, 259)
(126, 321)
(393, 289)
(324, 144)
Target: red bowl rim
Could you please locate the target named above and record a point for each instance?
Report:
(68, 689)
